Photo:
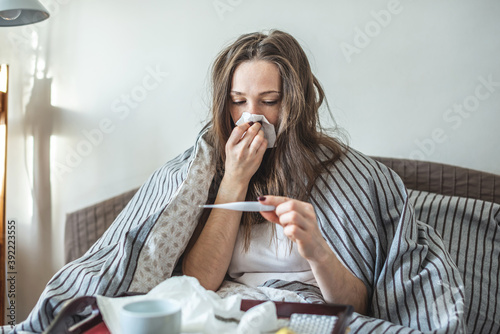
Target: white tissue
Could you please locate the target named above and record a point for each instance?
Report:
(268, 128)
(259, 319)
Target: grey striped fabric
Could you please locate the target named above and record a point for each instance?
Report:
(108, 267)
(310, 293)
(471, 233)
(366, 217)
(364, 213)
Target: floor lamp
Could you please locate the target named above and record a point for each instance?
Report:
(12, 13)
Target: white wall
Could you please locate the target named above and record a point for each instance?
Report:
(394, 94)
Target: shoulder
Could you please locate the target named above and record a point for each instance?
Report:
(364, 163)
(353, 160)
(354, 167)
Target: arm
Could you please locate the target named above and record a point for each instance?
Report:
(209, 257)
(336, 282)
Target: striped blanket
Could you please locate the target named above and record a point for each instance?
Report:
(364, 213)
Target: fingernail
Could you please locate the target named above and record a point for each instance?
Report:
(261, 198)
(251, 123)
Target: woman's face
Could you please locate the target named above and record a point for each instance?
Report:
(256, 89)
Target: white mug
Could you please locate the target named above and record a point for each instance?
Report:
(152, 316)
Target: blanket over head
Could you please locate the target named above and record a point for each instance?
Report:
(364, 214)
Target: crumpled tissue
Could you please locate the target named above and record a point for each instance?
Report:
(203, 311)
(268, 128)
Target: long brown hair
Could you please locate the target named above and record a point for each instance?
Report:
(291, 168)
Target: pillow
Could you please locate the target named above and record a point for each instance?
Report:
(470, 230)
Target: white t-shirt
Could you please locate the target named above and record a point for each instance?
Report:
(268, 257)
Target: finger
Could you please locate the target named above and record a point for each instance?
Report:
(275, 201)
(238, 133)
(295, 233)
(304, 208)
(290, 211)
(293, 218)
(258, 143)
(270, 216)
(251, 133)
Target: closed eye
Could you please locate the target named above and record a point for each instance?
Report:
(267, 103)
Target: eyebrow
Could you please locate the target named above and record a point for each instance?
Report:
(262, 93)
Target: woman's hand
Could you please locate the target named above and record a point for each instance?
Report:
(299, 225)
(336, 282)
(245, 149)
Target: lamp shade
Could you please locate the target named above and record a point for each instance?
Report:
(20, 12)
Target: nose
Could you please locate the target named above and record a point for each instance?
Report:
(253, 108)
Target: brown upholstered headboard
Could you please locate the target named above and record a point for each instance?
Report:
(445, 179)
(85, 226)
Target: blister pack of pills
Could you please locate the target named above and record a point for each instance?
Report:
(312, 323)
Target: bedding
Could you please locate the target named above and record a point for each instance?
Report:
(365, 215)
(470, 230)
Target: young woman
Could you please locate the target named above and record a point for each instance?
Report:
(269, 75)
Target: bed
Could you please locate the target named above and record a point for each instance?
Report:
(445, 197)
